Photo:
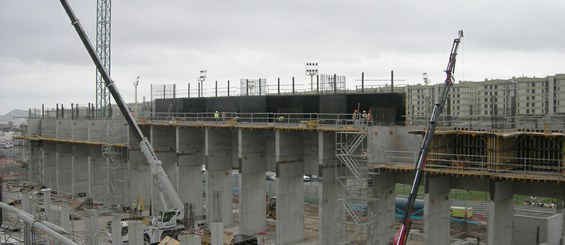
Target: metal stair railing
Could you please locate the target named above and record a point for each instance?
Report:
(350, 163)
(352, 213)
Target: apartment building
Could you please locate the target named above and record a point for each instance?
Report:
(523, 96)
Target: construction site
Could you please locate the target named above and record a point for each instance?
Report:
(264, 163)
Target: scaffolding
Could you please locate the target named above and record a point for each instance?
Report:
(30, 157)
(332, 83)
(353, 175)
(115, 157)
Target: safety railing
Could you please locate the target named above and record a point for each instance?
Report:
(553, 123)
(310, 119)
(481, 164)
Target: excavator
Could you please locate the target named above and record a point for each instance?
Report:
(401, 236)
(167, 222)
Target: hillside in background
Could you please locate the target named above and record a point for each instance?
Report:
(13, 114)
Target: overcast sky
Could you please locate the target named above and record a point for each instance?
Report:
(43, 61)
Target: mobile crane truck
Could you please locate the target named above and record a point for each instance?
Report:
(167, 222)
(401, 236)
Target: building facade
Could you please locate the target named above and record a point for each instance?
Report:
(496, 98)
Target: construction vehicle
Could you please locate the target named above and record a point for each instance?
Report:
(401, 236)
(167, 222)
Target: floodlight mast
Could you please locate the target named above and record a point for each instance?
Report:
(144, 144)
(401, 236)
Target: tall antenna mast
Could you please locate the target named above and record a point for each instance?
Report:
(103, 41)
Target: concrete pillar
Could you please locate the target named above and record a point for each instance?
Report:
(331, 225)
(563, 222)
(135, 232)
(116, 230)
(500, 213)
(91, 228)
(381, 210)
(64, 217)
(190, 239)
(290, 188)
(64, 168)
(81, 170)
(190, 158)
(437, 211)
(217, 233)
(252, 204)
(98, 173)
(47, 204)
(218, 157)
(49, 164)
(26, 205)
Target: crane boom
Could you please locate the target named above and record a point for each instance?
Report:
(144, 144)
(402, 234)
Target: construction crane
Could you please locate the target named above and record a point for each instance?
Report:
(103, 50)
(167, 222)
(402, 235)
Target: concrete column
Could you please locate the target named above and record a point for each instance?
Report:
(190, 158)
(500, 213)
(80, 169)
(91, 228)
(64, 168)
(135, 232)
(217, 233)
(331, 225)
(47, 204)
(116, 230)
(382, 210)
(218, 157)
(252, 206)
(190, 239)
(437, 211)
(49, 164)
(98, 173)
(64, 217)
(26, 205)
(290, 188)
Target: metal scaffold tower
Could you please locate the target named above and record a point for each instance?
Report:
(103, 41)
(353, 175)
(30, 155)
(115, 158)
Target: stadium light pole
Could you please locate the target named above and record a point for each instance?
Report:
(311, 70)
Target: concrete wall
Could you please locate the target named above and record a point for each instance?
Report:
(525, 228)
(383, 139)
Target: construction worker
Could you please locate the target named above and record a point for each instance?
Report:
(140, 209)
(370, 117)
(364, 115)
(134, 208)
(216, 116)
(355, 116)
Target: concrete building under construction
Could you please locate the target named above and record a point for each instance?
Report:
(360, 165)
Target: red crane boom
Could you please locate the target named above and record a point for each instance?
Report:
(402, 234)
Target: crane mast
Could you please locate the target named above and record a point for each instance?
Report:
(402, 234)
(144, 144)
